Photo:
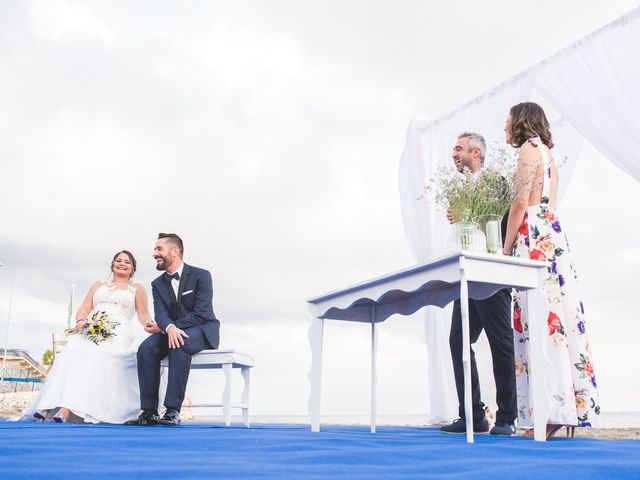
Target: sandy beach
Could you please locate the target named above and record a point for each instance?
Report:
(11, 404)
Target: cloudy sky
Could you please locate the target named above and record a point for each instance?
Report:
(268, 135)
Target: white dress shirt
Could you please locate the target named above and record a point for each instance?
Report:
(175, 284)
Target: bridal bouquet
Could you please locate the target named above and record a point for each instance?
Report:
(98, 327)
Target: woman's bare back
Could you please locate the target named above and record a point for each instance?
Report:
(531, 165)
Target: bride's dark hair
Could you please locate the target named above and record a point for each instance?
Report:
(131, 259)
(528, 120)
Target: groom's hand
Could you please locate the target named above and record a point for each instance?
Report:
(176, 337)
(450, 216)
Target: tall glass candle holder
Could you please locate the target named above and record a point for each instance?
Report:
(491, 226)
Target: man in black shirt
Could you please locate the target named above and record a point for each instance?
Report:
(494, 316)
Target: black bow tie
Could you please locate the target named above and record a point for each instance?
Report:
(169, 276)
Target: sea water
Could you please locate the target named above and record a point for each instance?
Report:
(606, 420)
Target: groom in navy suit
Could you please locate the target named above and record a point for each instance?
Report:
(184, 325)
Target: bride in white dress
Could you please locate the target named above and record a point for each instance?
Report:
(98, 382)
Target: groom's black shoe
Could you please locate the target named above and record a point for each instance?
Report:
(146, 419)
(171, 417)
(459, 426)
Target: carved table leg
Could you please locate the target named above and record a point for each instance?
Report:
(536, 308)
(466, 352)
(374, 373)
(315, 372)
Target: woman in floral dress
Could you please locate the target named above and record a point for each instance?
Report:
(534, 231)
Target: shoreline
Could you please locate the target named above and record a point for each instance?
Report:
(12, 404)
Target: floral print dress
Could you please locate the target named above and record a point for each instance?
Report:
(572, 383)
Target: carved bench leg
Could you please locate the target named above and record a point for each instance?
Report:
(226, 395)
(245, 395)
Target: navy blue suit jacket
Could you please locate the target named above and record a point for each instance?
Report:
(193, 307)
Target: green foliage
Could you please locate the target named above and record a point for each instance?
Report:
(467, 196)
(47, 357)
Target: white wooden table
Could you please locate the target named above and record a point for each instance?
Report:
(462, 275)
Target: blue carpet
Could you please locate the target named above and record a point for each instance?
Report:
(204, 450)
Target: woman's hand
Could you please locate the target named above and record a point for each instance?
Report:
(85, 308)
(152, 327)
(79, 324)
(506, 253)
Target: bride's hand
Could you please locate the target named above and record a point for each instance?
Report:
(79, 324)
(152, 327)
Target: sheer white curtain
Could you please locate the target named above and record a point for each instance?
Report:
(588, 90)
(594, 84)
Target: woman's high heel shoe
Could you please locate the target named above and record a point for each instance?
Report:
(552, 430)
(40, 415)
(571, 430)
(61, 415)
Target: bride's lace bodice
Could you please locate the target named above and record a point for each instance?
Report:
(115, 301)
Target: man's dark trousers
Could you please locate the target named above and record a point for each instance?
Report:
(494, 316)
(150, 354)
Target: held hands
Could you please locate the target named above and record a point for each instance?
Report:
(176, 337)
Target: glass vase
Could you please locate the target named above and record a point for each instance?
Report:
(491, 225)
(467, 236)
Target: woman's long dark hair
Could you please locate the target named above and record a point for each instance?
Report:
(528, 120)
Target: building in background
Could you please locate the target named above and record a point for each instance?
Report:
(21, 372)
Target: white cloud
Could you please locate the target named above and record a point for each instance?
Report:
(268, 136)
(55, 18)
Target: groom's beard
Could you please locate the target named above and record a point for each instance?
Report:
(163, 264)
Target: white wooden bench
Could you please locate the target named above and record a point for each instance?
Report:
(226, 360)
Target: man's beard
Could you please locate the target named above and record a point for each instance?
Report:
(163, 264)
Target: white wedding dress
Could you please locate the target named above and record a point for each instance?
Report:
(97, 382)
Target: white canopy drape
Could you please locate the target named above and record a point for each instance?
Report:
(589, 91)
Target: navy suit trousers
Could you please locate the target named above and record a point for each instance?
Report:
(150, 354)
(494, 316)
